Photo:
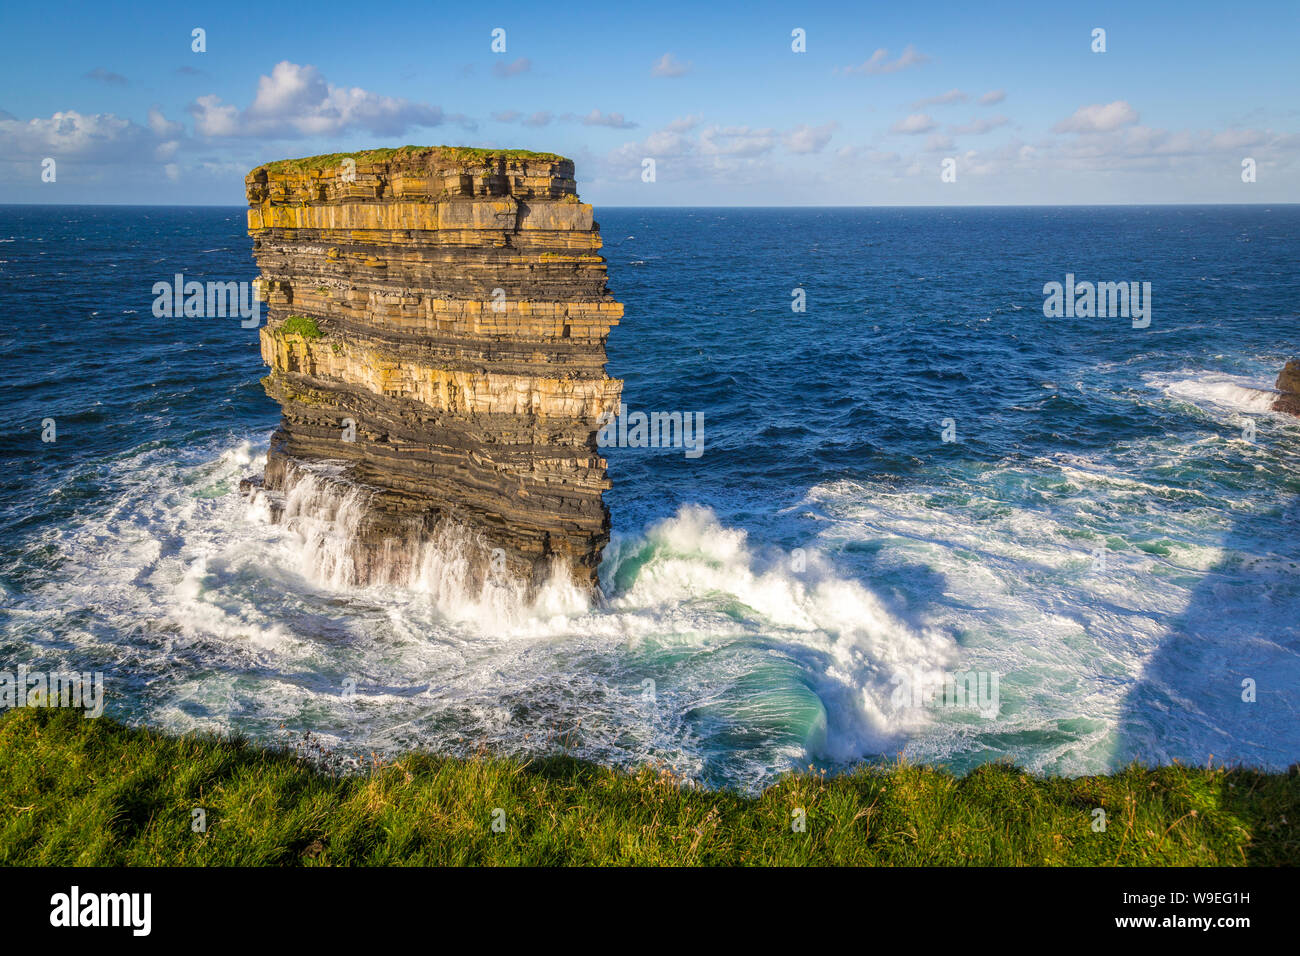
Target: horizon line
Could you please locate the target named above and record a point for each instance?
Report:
(1076, 205)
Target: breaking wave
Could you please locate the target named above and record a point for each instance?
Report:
(328, 513)
(1218, 391)
(756, 660)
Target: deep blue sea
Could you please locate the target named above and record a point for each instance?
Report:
(1111, 530)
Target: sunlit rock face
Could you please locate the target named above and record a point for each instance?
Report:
(436, 326)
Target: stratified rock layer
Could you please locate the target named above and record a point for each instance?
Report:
(436, 320)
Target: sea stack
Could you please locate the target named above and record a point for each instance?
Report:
(1288, 383)
(435, 327)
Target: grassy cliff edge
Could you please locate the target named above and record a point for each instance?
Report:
(95, 792)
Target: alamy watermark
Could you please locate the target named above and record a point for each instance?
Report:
(960, 690)
(656, 430)
(1100, 300)
(29, 688)
(130, 910)
(212, 300)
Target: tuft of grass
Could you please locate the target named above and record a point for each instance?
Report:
(98, 793)
(303, 325)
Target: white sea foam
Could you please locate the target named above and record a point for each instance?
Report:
(226, 621)
(327, 513)
(1217, 391)
(1121, 611)
(761, 659)
(854, 646)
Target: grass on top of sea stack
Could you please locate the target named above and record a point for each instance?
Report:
(94, 792)
(456, 154)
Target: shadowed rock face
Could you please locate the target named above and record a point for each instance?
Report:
(1288, 383)
(436, 322)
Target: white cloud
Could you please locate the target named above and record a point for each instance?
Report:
(668, 142)
(979, 126)
(809, 139)
(288, 90)
(161, 126)
(514, 68)
(1098, 118)
(705, 162)
(858, 155)
(1148, 149)
(105, 149)
(297, 101)
(544, 118)
(915, 124)
(993, 96)
(668, 65)
(214, 118)
(612, 120)
(1239, 139)
(879, 63)
(102, 137)
(952, 96)
(686, 151)
(737, 141)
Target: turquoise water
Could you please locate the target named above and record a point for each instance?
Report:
(1104, 533)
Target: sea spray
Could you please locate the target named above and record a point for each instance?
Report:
(450, 564)
(846, 639)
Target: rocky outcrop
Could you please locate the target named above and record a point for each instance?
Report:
(436, 326)
(1288, 383)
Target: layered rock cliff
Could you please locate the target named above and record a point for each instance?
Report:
(436, 326)
(1288, 383)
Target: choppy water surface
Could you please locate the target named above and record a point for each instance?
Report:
(1103, 534)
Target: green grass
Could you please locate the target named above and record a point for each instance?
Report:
(94, 792)
(303, 325)
(466, 155)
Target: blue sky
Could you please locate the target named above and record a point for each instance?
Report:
(1011, 93)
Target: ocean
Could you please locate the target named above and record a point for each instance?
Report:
(916, 477)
